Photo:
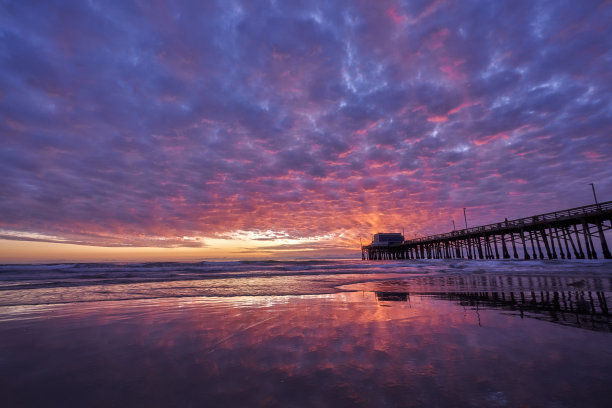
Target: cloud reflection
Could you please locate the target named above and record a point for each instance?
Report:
(344, 350)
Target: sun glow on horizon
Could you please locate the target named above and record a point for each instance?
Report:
(245, 246)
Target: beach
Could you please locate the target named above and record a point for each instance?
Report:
(307, 333)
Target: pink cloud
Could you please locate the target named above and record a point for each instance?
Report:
(490, 138)
(396, 17)
(437, 119)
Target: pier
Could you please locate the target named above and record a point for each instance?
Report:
(564, 234)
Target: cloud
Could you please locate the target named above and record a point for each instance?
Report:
(120, 120)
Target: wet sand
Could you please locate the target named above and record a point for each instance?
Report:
(459, 340)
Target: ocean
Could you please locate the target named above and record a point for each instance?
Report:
(424, 333)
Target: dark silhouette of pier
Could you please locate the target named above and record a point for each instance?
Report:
(576, 308)
(556, 235)
(557, 299)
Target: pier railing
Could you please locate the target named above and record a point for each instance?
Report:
(540, 219)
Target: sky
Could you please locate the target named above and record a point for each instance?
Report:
(185, 130)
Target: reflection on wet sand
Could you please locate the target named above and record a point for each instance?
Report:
(566, 300)
(581, 309)
(440, 341)
(392, 296)
(475, 283)
(336, 350)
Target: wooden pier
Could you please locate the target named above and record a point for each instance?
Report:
(555, 235)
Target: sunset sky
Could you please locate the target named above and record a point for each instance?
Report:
(177, 130)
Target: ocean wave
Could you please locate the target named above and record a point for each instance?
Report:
(261, 276)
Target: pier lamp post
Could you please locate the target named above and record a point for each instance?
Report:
(602, 237)
(454, 225)
(594, 195)
(468, 237)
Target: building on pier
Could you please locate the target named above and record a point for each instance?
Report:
(381, 242)
(387, 238)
